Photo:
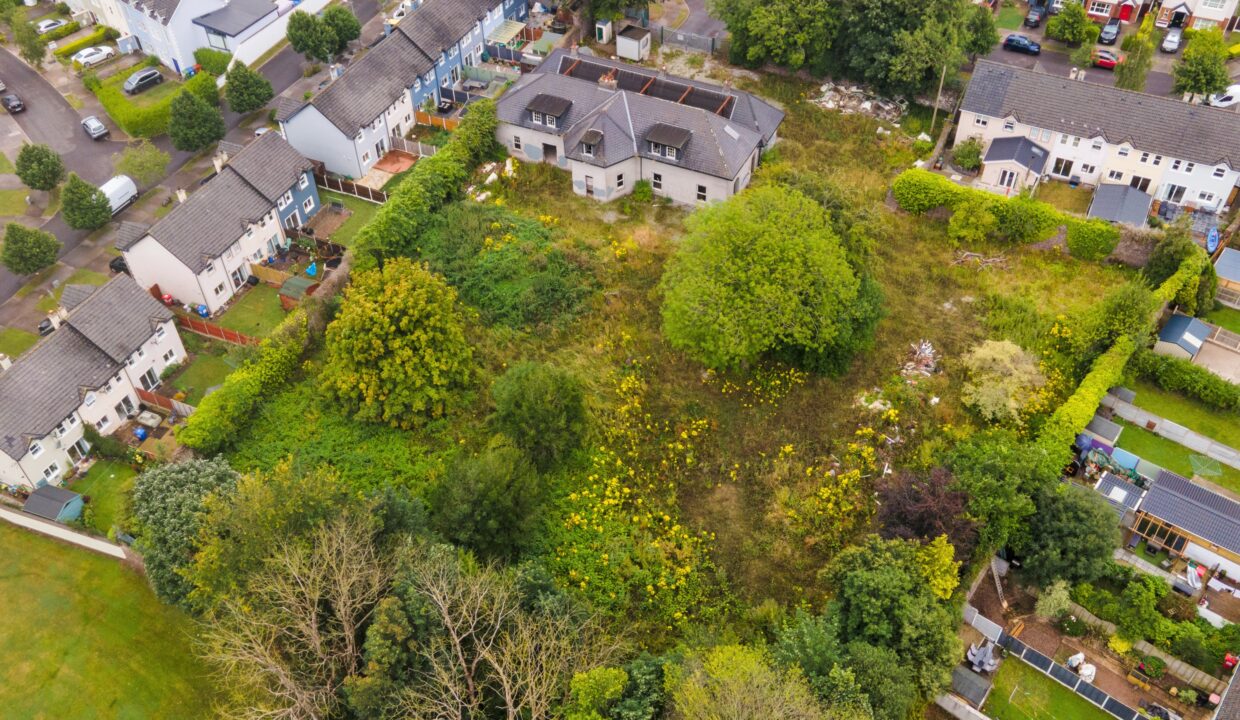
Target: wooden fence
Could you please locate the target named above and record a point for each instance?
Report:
(176, 407)
(211, 330)
(348, 187)
(269, 275)
(322, 248)
(424, 118)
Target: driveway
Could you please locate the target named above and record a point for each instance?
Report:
(700, 21)
(1058, 63)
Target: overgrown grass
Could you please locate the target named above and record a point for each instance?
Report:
(1023, 693)
(1171, 455)
(107, 483)
(81, 276)
(1225, 317)
(256, 313)
(15, 341)
(362, 211)
(1068, 199)
(93, 641)
(1217, 425)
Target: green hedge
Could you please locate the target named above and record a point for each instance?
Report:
(137, 120)
(1060, 430)
(1021, 218)
(62, 31)
(1091, 239)
(212, 60)
(225, 412)
(1181, 376)
(399, 224)
(1183, 279)
(102, 34)
(203, 85)
(918, 191)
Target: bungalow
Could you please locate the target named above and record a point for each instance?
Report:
(1179, 154)
(1191, 521)
(112, 342)
(348, 127)
(200, 253)
(612, 124)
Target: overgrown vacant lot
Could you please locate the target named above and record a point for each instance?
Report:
(86, 638)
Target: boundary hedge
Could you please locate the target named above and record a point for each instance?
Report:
(60, 32)
(100, 35)
(150, 120)
(1181, 376)
(212, 60)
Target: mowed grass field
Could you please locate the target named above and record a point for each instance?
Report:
(84, 637)
(1023, 693)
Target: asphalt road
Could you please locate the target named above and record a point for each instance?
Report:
(1057, 63)
(700, 21)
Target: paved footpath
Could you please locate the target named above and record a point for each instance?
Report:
(60, 532)
(1163, 427)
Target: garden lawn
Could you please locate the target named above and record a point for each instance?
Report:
(362, 211)
(94, 641)
(107, 483)
(6, 165)
(13, 202)
(1171, 455)
(143, 115)
(81, 276)
(1023, 693)
(1074, 200)
(1010, 18)
(1217, 425)
(14, 341)
(206, 371)
(255, 314)
(1225, 317)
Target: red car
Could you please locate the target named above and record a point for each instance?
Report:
(1106, 59)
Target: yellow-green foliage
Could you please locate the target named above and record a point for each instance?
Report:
(1060, 431)
(1091, 239)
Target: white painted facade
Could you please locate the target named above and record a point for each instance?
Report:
(1196, 14)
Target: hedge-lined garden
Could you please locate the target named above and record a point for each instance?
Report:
(1182, 376)
(147, 114)
(100, 35)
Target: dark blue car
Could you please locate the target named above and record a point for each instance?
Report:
(1021, 44)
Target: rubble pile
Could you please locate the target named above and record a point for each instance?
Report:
(851, 99)
(923, 360)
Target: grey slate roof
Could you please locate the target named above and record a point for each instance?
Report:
(1160, 125)
(236, 16)
(1020, 150)
(287, 107)
(971, 686)
(1229, 708)
(270, 164)
(1187, 332)
(1120, 203)
(47, 501)
(73, 295)
(48, 383)
(1195, 510)
(1228, 265)
(129, 233)
(549, 104)
(634, 32)
(161, 9)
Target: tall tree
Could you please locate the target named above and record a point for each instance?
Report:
(735, 681)
(916, 507)
(84, 206)
(980, 33)
(1202, 69)
(311, 37)
(489, 504)
(542, 409)
(39, 167)
(1003, 382)
(1000, 473)
(167, 505)
(788, 33)
(397, 351)
(26, 250)
(1170, 251)
(29, 46)
(878, 40)
(344, 26)
(1071, 537)
(246, 90)
(142, 161)
(194, 125)
(1072, 25)
(1130, 74)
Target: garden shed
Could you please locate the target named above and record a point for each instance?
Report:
(971, 686)
(54, 503)
(1181, 337)
(1228, 269)
(633, 43)
(1121, 204)
(294, 289)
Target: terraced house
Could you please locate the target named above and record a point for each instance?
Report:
(201, 252)
(348, 127)
(1187, 156)
(111, 340)
(612, 124)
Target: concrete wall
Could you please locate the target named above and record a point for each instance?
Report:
(680, 184)
(316, 138)
(606, 181)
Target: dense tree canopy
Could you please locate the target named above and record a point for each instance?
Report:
(1072, 25)
(27, 250)
(310, 36)
(1003, 382)
(1172, 249)
(541, 408)
(343, 24)
(84, 206)
(193, 124)
(39, 167)
(1000, 473)
(1138, 58)
(917, 507)
(1202, 69)
(1070, 537)
(246, 90)
(489, 503)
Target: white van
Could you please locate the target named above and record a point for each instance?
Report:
(121, 191)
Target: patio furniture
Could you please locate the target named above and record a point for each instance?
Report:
(444, 107)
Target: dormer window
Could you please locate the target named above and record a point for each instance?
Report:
(587, 149)
(667, 140)
(547, 109)
(536, 117)
(550, 121)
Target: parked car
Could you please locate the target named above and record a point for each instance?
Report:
(94, 128)
(1110, 32)
(121, 191)
(118, 265)
(1172, 40)
(93, 55)
(1227, 98)
(143, 80)
(12, 103)
(1021, 44)
(3, 87)
(1035, 16)
(1106, 59)
(46, 26)
(46, 326)
(259, 132)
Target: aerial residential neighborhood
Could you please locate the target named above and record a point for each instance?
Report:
(499, 359)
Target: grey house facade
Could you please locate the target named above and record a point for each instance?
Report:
(612, 124)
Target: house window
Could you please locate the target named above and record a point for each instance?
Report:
(1205, 196)
(1097, 145)
(303, 181)
(1097, 7)
(219, 288)
(537, 117)
(89, 399)
(1033, 133)
(170, 356)
(1088, 169)
(1140, 183)
(160, 332)
(1157, 160)
(587, 149)
(701, 193)
(671, 153)
(1123, 151)
(365, 157)
(1175, 193)
(35, 449)
(1115, 175)
(285, 199)
(656, 181)
(359, 136)
(103, 422)
(1213, 5)
(1063, 167)
(1145, 157)
(1190, 167)
(620, 180)
(980, 121)
(52, 471)
(516, 142)
(72, 421)
(308, 205)
(1076, 142)
(1220, 172)
(1009, 125)
(550, 121)
(1046, 136)
(1175, 164)
(1063, 139)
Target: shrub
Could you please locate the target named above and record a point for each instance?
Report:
(62, 31)
(974, 220)
(39, 167)
(542, 409)
(1054, 600)
(1025, 220)
(85, 207)
(100, 35)
(1091, 239)
(1153, 666)
(918, 191)
(203, 85)
(968, 154)
(26, 251)
(212, 60)
(105, 446)
(1181, 376)
(137, 120)
(193, 123)
(643, 192)
(224, 412)
(1119, 644)
(1060, 430)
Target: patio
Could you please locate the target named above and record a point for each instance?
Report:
(394, 162)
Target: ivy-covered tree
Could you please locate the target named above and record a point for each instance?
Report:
(310, 36)
(168, 502)
(39, 167)
(84, 206)
(246, 90)
(397, 351)
(1170, 251)
(760, 273)
(1202, 69)
(193, 124)
(27, 250)
(1000, 473)
(541, 408)
(344, 26)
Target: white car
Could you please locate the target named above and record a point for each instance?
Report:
(46, 26)
(1227, 98)
(93, 55)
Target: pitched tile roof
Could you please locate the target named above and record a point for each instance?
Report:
(1187, 332)
(270, 164)
(1020, 150)
(1194, 509)
(48, 500)
(73, 295)
(1199, 133)
(129, 233)
(163, 10)
(1228, 265)
(118, 317)
(236, 16)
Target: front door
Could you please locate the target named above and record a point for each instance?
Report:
(1178, 18)
(589, 186)
(549, 153)
(1007, 178)
(1125, 13)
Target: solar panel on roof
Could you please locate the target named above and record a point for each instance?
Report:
(1037, 659)
(1097, 696)
(1119, 709)
(659, 87)
(1065, 676)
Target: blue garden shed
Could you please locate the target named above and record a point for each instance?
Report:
(54, 503)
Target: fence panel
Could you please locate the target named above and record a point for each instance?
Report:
(172, 405)
(269, 275)
(413, 147)
(211, 330)
(348, 187)
(424, 118)
(671, 36)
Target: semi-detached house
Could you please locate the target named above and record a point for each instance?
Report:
(612, 124)
(348, 127)
(111, 341)
(1186, 155)
(200, 253)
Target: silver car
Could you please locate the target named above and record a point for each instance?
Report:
(47, 26)
(1171, 42)
(94, 128)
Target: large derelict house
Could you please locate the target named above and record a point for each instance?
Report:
(201, 252)
(613, 124)
(112, 341)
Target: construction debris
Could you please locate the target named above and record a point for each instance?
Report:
(923, 360)
(852, 99)
(964, 257)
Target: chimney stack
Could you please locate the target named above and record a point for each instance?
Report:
(220, 160)
(181, 195)
(609, 80)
